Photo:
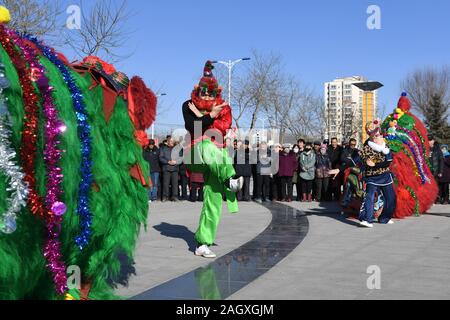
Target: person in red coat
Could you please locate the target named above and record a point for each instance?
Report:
(288, 165)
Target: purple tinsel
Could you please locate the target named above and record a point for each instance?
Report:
(84, 134)
(52, 157)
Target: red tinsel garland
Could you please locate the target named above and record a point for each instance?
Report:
(30, 125)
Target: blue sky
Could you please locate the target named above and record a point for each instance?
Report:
(318, 40)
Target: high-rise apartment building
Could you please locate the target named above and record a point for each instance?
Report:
(348, 109)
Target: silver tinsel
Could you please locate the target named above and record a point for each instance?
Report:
(17, 187)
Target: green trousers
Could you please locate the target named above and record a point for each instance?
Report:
(207, 284)
(217, 167)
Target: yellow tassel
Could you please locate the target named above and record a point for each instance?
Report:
(69, 297)
(5, 17)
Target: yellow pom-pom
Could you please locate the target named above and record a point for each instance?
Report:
(69, 297)
(5, 17)
(398, 110)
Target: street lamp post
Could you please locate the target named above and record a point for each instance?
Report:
(153, 125)
(230, 65)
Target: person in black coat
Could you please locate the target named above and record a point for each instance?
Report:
(243, 169)
(349, 152)
(444, 181)
(170, 162)
(151, 155)
(334, 153)
(436, 160)
(263, 172)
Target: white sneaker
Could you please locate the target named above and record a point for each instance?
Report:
(365, 224)
(204, 251)
(390, 222)
(236, 184)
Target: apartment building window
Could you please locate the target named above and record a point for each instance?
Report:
(333, 87)
(332, 93)
(348, 86)
(333, 99)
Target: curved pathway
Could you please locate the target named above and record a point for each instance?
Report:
(230, 273)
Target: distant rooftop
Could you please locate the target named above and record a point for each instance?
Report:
(353, 78)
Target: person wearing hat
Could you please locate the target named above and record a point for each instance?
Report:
(377, 158)
(208, 119)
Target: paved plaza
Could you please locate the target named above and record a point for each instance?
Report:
(291, 251)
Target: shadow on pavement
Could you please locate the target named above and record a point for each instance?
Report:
(127, 269)
(177, 232)
(332, 210)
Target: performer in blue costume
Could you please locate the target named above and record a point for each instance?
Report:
(377, 159)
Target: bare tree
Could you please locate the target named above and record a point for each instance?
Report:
(296, 110)
(308, 119)
(266, 92)
(252, 90)
(424, 84)
(382, 111)
(102, 32)
(37, 17)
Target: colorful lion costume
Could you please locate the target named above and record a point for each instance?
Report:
(415, 185)
(73, 189)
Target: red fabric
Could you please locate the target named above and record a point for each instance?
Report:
(63, 58)
(205, 105)
(223, 121)
(137, 173)
(196, 177)
(142, 104)
(403, 170)
(404, 104)
(109, 100)
(288, 165)
(142, 138)
(84, 292)
(95, 187)
(208, 83)
(108, 68)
